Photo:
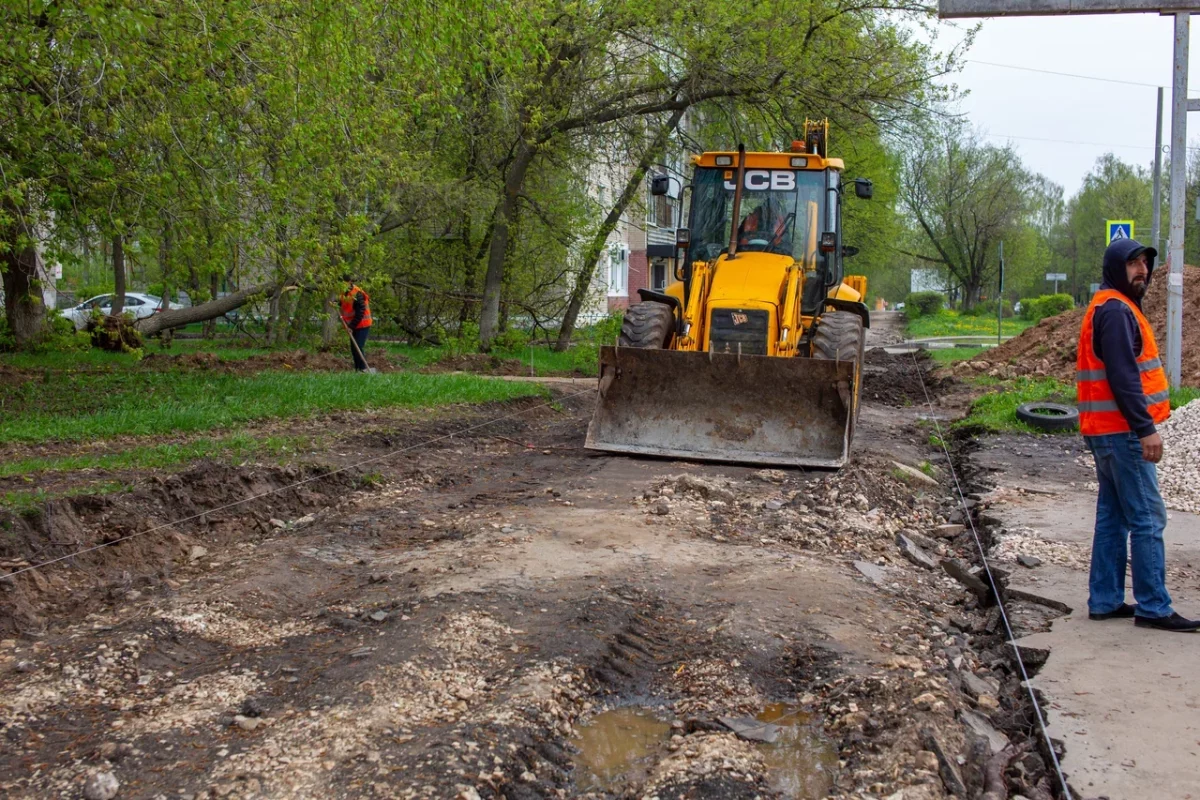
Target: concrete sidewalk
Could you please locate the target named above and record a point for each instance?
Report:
(1124, 700)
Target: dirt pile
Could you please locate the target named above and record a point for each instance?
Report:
(1049, 348)
(302, 360)
(900, 380)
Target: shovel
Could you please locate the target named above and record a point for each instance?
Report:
(369, 370)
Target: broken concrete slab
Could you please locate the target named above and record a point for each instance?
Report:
(951, 778)
(962, 573)
(924, 542)
(1030, 597)
(913, 474)
(750, 729)
(977, 685)
(872, 572)
(980, 725)
(1028, 561)
(947, 531)
(913, 552)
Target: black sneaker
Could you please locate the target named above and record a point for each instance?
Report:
(1123, 611)
(1171, 623)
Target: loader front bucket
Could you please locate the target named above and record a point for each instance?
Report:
(744, 409)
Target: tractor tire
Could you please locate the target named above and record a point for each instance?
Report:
(839, 337)
(647, 325)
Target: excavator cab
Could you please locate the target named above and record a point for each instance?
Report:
(754, 355)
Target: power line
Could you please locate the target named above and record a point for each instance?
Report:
(1069, 74)
(1073, 142)
(1067, 141)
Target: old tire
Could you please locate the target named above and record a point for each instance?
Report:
(1049, 416)
(648, 325)
(839, 337)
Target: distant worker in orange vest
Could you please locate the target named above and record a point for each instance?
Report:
(1123, 394)
(356, 313)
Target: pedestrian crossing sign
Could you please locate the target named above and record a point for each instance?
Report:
(1119, 229)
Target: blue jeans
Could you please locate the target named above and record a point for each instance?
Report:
(1129, 508)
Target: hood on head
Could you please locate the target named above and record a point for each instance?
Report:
(1117, 255)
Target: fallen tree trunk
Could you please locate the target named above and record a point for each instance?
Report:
(203, 312)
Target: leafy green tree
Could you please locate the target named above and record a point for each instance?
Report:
(965, 197)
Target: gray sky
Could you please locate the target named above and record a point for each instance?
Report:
(1086, 118)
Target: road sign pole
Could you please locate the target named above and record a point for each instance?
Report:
(1000, 297)
(1156, 228)
(1179, 110)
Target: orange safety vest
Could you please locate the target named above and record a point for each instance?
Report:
(1098, 412)
(348, 307)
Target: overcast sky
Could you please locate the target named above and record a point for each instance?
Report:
(1086, 118)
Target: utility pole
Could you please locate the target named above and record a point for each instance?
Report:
(1179, 109)
(1156, 227)
(1000, 297)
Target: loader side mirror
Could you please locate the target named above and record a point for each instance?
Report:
(683, 237)
(863, 188)
(660, 185)
(828, 242)
(849, 250)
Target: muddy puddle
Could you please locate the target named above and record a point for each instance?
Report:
(619, 747)
(800, 763)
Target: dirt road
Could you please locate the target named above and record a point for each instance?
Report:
(502, 613)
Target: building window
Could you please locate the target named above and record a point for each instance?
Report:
(658, 275)
(618, 275)
(661, 210)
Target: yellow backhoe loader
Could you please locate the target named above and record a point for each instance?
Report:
(754, 354)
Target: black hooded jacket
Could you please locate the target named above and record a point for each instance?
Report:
(1117, 340)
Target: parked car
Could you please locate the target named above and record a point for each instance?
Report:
(136, 303)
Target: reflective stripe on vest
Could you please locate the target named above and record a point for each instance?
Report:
(348, 307)
(1101, 375)
(1098, 411)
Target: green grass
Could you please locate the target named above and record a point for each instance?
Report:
(34, 500)
(70, 360)
(1183, 395)
(948, 355)
(580, 358)
(996, 411)
(239, 447)
(145, 402)
(951, 323)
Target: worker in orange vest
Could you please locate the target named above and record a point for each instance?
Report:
(356, 313)
(1123, 394)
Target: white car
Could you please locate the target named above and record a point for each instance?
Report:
(136, 303)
